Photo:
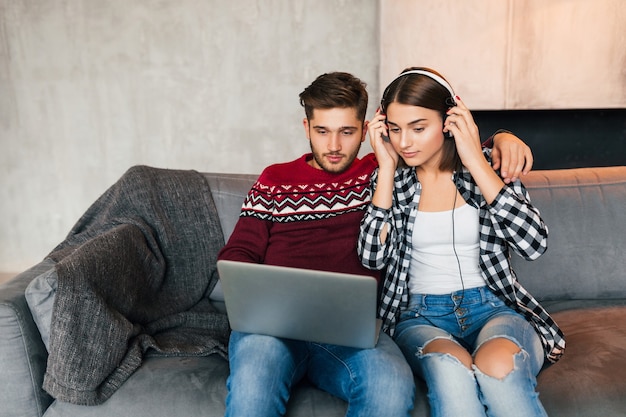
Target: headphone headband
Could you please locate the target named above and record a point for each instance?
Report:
(429, 74)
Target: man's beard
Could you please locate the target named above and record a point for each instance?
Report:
(345, 163)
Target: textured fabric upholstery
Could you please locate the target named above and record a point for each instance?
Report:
(22, 352)
(586, 214)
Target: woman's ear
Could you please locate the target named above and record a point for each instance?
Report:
(446, 134)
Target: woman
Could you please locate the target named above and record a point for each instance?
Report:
(441, 223)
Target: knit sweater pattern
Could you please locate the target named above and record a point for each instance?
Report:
(299, 216)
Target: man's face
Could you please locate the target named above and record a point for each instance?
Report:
(335, 136)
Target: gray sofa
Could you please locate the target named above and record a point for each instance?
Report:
(580, 280)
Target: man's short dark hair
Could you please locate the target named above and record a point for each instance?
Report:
(335, 90)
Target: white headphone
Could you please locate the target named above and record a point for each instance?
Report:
(435, 77)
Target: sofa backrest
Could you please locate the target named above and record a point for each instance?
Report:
(584, 208)
(585, 211)
(229, 191)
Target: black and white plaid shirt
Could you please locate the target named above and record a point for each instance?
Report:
(509, 222)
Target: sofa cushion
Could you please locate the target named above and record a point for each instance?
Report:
(228, 191)
(169, 386)
(188, 386)
(589, 379)
(40, 295)
(584, 211)
(22, 354)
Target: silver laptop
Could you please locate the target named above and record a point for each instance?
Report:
(302, 304)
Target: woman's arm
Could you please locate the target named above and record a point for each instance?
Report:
(372, 247)
(375, 226)
(513, 216)
(516, 220)
(467, 139)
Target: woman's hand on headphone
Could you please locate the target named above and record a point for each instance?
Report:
(461, 123)
(386, 155)
(466, 136)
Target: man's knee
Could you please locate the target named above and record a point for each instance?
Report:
(388, 379)
(258, 344)
(392, 394)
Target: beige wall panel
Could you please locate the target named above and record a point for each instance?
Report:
(513, 54)
(464, 40)
(568, 54)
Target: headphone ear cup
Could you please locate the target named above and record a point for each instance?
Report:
(452, 103)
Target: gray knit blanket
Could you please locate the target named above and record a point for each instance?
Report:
(134, 276)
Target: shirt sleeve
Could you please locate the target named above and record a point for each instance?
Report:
(489, 142)
(369, 246)
(372, 252)
(517, 221)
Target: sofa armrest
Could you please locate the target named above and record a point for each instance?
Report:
(22, 352)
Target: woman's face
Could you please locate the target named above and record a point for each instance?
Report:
(416, 134)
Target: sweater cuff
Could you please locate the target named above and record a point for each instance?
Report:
(489, 142)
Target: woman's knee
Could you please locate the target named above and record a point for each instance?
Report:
(495, 357)
(447, 346)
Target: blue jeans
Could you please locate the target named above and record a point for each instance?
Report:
(470, 319)
(263, 370)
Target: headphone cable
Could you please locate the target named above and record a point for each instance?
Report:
(458, 262)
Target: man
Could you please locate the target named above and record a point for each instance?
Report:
(306, 214)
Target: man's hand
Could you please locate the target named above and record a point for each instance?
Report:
(512, 156)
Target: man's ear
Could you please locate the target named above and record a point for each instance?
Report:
(305, 123)
(365, 126)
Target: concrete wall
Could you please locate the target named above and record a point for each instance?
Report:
(89, 88)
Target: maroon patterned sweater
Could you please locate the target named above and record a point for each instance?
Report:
(299, 216)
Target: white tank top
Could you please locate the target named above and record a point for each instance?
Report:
(434, 267)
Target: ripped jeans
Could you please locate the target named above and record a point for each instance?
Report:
(471, 318)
